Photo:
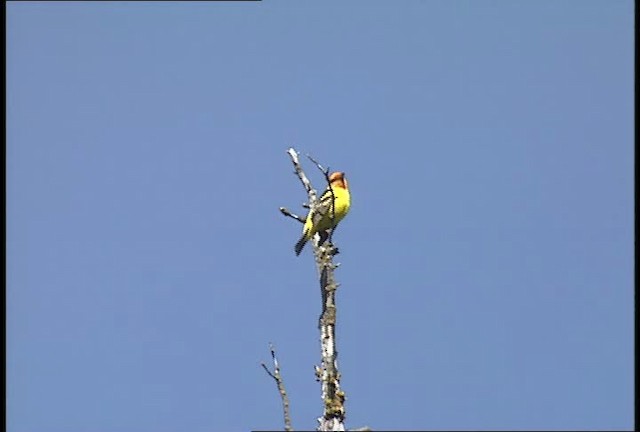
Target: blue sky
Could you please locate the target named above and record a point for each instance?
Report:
(487, 262)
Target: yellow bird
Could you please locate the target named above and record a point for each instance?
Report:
(324, 217)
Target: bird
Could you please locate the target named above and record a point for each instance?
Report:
(324, 217)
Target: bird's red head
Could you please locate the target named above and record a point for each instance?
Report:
(337, 179)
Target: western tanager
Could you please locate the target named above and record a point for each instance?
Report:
(324, 217)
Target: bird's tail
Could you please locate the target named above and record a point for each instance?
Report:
(301, 243)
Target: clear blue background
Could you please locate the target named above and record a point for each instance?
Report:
(487, 262)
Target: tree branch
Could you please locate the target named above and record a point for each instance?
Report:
(285, 211)
(283, 393)
(334, 411)
(301, 175)
(327, 373)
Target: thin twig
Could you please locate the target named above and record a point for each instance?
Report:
(283, 393)
(323, 170)
(300, 173)
(285, 211)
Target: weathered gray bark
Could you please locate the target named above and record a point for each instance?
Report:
(327, 373)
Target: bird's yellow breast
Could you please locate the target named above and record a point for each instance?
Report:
(342, 205)
(342, 202)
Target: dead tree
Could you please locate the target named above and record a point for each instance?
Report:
(324, 251)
